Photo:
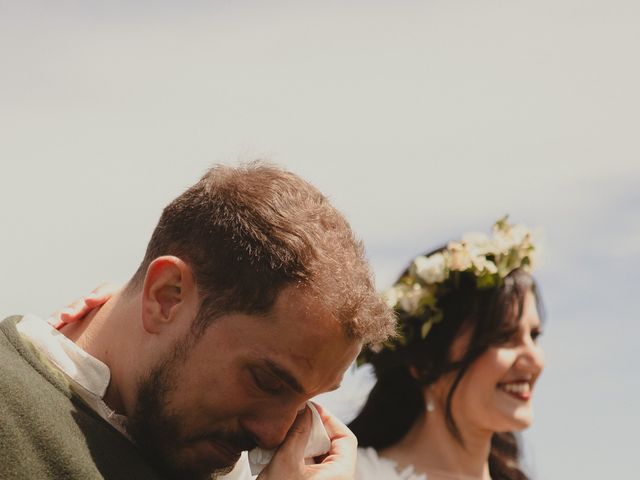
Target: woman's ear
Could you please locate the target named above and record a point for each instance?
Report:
(168, 289)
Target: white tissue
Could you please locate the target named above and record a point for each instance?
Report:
(318, 444)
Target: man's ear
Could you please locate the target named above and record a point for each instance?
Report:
(168, 290)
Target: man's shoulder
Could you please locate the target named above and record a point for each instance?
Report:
(12, 361)
(8, 328)
(22, 369)
(46, 431)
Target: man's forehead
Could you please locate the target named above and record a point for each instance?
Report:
(298, 310)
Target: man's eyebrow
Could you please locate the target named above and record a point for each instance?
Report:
(285, 376)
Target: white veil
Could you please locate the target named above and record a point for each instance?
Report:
(347, 401)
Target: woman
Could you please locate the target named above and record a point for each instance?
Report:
(456, 382)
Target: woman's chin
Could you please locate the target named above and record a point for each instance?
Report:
(516, 423)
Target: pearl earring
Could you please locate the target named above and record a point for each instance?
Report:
(430, 405)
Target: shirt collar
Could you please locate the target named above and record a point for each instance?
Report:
(84, 369)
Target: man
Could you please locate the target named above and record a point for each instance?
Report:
(253, 296)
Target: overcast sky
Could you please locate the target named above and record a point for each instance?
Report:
(420, 120)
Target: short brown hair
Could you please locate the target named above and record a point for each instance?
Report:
(249, 231)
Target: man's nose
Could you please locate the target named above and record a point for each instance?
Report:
(270, 429)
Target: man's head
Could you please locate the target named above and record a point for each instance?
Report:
(254, 296)
(249, 232)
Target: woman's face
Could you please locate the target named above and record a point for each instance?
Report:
(495, 393)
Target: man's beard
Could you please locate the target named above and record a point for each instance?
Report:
(157, 431)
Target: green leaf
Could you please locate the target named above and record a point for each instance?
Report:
(502, 223)
(486, 280)
(426, 327)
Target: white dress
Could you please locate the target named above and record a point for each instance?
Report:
(372, 467)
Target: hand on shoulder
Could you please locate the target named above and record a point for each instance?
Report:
(79, 308)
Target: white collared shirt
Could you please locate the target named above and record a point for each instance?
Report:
(88, 376)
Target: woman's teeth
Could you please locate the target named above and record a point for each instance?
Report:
(520, 387)
(517, 388)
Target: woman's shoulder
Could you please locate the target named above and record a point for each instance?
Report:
(370, 466)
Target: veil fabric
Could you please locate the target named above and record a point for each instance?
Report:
(347, 401)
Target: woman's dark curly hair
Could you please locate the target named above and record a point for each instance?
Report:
(397, 399)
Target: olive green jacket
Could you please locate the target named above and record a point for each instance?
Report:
(47, 432)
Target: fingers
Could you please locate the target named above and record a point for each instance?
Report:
(81, 307)
(73, 311)
(100, 295)
(343, 442)
(339, 464)
(335, 428)
(297, 437)
(289, 457)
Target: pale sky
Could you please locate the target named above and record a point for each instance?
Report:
(420, 120)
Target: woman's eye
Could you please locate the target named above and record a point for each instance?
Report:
(508, 339)
(535, 334)
(267, 382)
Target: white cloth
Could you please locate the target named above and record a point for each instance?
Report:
(241, 471)
(88, 376)
(372, 467)
(318, 444)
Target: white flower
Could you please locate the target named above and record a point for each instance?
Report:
(391, 297)
(432, 269)
(478, 243)
(520, 233)
(410, 298)
(459, 258)
(510, 237)
(481, 264)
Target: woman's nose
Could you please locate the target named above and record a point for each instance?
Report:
(532, 357)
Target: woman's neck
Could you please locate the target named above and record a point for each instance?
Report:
(431, 448)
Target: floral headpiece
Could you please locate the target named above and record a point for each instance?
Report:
(488, 259)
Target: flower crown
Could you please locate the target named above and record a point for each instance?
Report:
(489, 260)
